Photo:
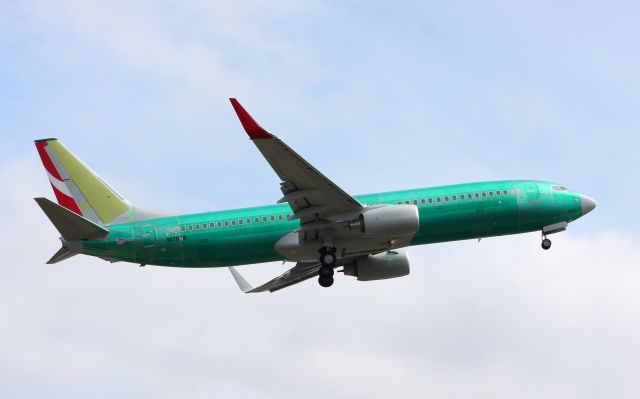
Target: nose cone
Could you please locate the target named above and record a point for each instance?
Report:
(588, 204)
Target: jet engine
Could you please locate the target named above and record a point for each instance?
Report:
(389, 220)
(381, 266)
(370, 230)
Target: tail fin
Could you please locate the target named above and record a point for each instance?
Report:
(77, 187)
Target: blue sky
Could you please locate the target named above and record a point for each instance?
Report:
(379, 96)
(422, 95)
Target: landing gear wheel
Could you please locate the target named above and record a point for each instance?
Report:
(325, 282)
(546, 244)
(328, 256)
(327, 262)
(328, 259)
(325, 271)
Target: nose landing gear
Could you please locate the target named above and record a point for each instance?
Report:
(552, 229)
(327, 261)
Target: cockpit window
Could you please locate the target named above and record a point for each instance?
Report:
(559, 188)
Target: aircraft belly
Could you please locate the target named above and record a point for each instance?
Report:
(294, 248)
(232, 249)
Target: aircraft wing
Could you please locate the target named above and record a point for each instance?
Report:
(311, 195)
(295, 275)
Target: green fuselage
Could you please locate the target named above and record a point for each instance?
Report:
(248, 235)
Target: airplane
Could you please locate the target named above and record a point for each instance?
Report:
(315, 224)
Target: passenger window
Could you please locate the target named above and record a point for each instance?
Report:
(498, 192)
(240, 221)
(197, 227)
(399, 202)
(233, 222)
(212, 224)
(431, 200)
(279, 217)
(272, 218)
(422, 201)
(257, 220)
(504, 192)
(469, 196)
(462, 197)
(477, 195)
(446, 199)
(226, 223)
(248, 220)
(183, 228)
(415, 202)
(406, 202)
(454, 198)
(438, 199)
(167, 231)
(190, 227)
(176, 229)
(204, 226)
(264, 218)
(220, 224)
(484, 195)
(490, 193)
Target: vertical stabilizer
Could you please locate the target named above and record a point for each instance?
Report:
(77, 187)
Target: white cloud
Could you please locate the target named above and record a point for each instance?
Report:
(497, 319)
(191, 45)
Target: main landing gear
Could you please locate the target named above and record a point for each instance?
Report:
(327, 262)
(546, 243)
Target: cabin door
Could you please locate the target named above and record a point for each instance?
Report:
(147, 235)
(528, 204)
(532, 192)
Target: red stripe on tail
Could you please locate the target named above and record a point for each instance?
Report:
(66, 201)
(46, 161)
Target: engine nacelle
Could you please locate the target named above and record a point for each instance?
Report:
(382, 227)
(382, 266)
(390, 220)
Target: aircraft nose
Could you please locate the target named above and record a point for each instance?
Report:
(588, 204)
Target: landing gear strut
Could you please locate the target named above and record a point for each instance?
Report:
(546, 243)
(327, 261)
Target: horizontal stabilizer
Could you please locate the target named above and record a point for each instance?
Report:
(70, 225)
(62, 254)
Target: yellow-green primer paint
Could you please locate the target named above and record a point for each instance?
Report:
(107, 204)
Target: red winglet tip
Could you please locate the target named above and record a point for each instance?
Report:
(255, 131)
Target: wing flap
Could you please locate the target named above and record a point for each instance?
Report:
(297, 274)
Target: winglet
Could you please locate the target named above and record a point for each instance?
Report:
(244, 285)
(255, 131)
